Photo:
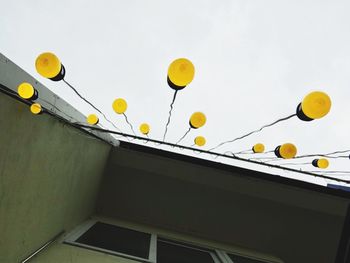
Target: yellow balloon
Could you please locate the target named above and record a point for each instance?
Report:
(286, 151)
(181, 72)
(322, 163)
(258, 148)
(92, 119)
(48, 65)
(25, 90)
(199, 141)
(316, 105)
(35, 108)
(197, 120)
(120, 106)
(144, 128)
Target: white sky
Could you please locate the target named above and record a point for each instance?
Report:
(254, 60)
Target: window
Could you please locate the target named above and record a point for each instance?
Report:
(146, 247)
(174, 252)
(231, 258)
(115, 240)
(239, 259)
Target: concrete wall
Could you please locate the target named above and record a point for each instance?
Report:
(295, 224)
(62, 253)
(49, 178)
(59, 252)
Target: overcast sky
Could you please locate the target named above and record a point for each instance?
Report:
(254, 60)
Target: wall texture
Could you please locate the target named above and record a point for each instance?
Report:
(295, 224)
(61, 253)
(49, 178)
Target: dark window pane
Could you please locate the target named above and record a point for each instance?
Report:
(117, 239)
(239, 259)
(171, 253)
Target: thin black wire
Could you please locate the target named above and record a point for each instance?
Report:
(268, 159)
(324, 154)
(57, 108)
(252, 132)
(296, 163)
(252, 152)
(225, 153)
(249, 151)
(171, 109)
(184, 136)
(88, 102)
(83, 127)
(127, 121)
(208, 152)
(331, 172)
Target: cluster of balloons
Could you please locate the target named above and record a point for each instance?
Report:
(28, 92)
(315, 105)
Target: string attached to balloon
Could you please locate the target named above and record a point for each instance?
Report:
(180, 74)
(95, 128)
(347, 173)
(120, 106)
(49, 66)
(315, 105)
(197, 120)
(321, 163)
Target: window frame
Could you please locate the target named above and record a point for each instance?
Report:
(223, 255)
(77, 232)
(211, 252)
(218, 255)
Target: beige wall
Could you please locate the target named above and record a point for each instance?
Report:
(49, 178)
(60, 252)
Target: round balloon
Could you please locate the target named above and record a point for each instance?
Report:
(199, 141)
(197, 120)
(316, 105)
(144, 128)
(258, 148)
(35, 108)
(120, 106)
(26, 90)
(286, 151)
(181, 73)
(48, 65)
(92, 119)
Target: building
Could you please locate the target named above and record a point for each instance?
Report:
(99, 200)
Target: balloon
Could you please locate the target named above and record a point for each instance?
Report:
(258, 148)
(315, 105)
(320, 163)
(49, 66)
(35, 108)
(144, 128)
(286, 151)
(197, 120)
(120, 106)
(27, 91)
(180, 73)
(199, 141)
(92, 119)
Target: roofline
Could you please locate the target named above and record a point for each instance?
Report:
(237, 170)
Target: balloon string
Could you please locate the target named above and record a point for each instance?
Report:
(325, 155)
(331, 172)
(251, 152)
(296, 163)
(127, 121)
(171, 109)
(252, 132)
(248, 151)
(184, 136)
(88, 102)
